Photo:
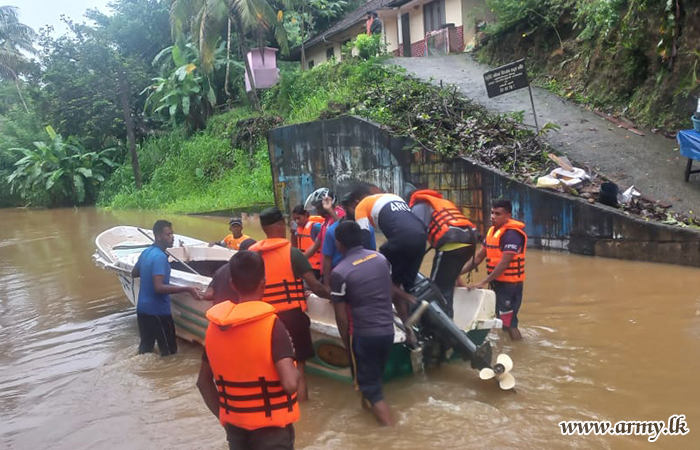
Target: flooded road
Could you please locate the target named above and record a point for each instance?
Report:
(603, 340)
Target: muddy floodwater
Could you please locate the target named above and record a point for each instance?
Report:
(603, 340)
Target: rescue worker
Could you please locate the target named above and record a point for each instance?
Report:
(286, 270)
(234, 240)
(504, 250)
(324, 202)
(331, 254)
(361, 290)
(308, 228)
(247, 376)
(153, 312)
(452, 236)
(405, 245)
(219, 289)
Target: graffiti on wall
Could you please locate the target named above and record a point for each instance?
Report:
(318, 156)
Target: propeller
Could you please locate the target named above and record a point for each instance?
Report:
(501, 372)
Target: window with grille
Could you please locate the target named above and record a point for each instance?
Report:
(434, 15)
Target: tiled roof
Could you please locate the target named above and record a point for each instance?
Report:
(350, 19)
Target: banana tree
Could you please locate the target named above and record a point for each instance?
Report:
(206, 21)
(185, 92)
(60, 171)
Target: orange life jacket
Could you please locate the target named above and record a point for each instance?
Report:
(233, 243)
(239, 349)
(515, 272)
(445, 214)
(304, 241)
(282, 289)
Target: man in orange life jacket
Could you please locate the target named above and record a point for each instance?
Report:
(504, 250)
(247, 377)
(452, 236)
(286, 270)
(308, 228)
(234, 240)
(331, 213)
(219, 289)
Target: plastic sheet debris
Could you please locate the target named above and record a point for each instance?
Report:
(559, 176)
(570, 177)
(548, 182)
(626, 197)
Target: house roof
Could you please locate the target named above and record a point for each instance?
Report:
(350, 19)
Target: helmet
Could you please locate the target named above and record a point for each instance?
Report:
(316, 197)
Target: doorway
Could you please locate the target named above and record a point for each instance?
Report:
(406, 34)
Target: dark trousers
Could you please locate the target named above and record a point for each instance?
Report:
(446, 268)
(509, 298)
(270, 438)
(370, 355)
(159, 329)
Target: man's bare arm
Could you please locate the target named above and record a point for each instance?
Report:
(207, 388)
(289, 375)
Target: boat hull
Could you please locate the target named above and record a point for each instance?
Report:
(330, 360)
(474, 310)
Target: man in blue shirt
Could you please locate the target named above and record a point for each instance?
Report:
(153, 306)
(331, 253)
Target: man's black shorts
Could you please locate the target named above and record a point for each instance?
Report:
(298, 326)
(269, 438)
(405, 256)
(370, 355)
(159, 329)
(509, 297)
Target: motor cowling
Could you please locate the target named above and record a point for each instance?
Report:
(434, 324)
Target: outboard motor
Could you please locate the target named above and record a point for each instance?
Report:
(434, 324)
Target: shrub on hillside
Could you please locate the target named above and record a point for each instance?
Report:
(200, 174)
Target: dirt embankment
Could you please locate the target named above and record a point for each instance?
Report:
(646, 66)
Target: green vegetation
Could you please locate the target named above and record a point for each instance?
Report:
(199, 174)
(146, 82)
(436, 118)
(633, 57)
(160, 85)
(368, 45)
(184, 94)
(60, 172)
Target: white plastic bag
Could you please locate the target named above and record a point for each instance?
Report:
(626, 196)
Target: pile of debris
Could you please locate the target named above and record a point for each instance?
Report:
(439, 119)
(248, 132)
(593, 187)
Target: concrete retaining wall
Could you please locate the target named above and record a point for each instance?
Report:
(338, 152)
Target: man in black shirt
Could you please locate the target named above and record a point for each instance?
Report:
(361, 294)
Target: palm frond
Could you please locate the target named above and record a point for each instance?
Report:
(181, 14)
(250, 14)
(15, 35)
(278, 26)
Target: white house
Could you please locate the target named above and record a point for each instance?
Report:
(409, 28)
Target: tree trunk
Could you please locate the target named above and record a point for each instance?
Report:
(19, 91)
(248, 71)
(124, 97)
(303, 39)
(261, 47)
(228, 58)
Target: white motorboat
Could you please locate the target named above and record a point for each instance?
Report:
(119, 248)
